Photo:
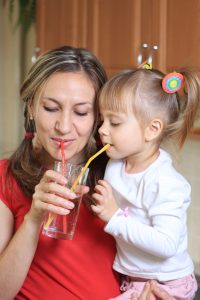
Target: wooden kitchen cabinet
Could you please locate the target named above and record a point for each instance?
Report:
(106, 27)
(115, 30)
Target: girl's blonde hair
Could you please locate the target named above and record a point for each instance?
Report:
(141, 92)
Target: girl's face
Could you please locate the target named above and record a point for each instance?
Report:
(123, 132)
(65, 113)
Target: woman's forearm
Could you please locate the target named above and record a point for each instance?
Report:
(16, 258)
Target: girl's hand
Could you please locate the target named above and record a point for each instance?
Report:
(105, 202)
(51, 195)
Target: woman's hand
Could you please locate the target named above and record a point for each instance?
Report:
(152, 292)
(146, 294)
(52, 195)
(105, 202)
(159, 292)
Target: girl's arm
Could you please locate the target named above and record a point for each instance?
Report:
(167, 216)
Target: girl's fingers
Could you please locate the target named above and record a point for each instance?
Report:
(96, 209)
(105, 184)
(98, 198)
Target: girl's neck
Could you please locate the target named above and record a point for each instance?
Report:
(141, 162)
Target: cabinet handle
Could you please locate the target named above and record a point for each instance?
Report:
(139, 58)
(150, 58)
(35, 55)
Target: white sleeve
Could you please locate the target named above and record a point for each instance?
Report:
(167, 220)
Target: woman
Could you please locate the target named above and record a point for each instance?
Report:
(60, 98)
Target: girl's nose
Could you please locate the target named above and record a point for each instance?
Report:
(103, 130)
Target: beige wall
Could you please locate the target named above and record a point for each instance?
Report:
(189, 165)
(11, 115)
(11, 128)
(9, 84)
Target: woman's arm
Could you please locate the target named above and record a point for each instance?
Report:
(17, 251)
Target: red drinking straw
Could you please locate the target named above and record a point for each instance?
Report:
(62, 146)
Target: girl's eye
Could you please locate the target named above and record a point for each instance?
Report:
(51, 109)
(114, 124)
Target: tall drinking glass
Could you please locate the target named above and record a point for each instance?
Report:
(59, 226)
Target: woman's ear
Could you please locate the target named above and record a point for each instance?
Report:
(153, 130)
(30, 112)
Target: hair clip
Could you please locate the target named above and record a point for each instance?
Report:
(145, 65)
(172, 82)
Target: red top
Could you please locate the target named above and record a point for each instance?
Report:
(62, 269)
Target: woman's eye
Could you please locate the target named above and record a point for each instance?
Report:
(81, 113)
(51, 109)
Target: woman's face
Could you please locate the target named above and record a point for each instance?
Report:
(65, 113)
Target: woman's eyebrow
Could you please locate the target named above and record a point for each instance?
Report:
(51, 99)
(76, 104)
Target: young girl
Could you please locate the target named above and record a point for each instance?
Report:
(143, 199)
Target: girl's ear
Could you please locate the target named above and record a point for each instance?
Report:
(153, 130)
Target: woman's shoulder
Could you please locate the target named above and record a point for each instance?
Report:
(8, 184)
(3, 164)
(3, 170)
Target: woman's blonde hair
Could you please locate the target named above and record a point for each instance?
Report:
(25, 164)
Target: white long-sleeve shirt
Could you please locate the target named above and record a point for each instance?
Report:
(150, 227)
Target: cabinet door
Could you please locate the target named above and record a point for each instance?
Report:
(113, 32)
(183, 34)
(109, 28)
(61, 22)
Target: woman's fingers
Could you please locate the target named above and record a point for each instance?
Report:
(52, 195)
(52, 175)
(145, 292)
(160, 293)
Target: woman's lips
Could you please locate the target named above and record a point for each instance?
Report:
(66, 143)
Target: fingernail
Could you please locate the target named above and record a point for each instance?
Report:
(72, 195)
(64, 181)
(70, 204)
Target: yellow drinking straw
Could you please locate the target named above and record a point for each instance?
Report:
(87, 164)
(51, 216)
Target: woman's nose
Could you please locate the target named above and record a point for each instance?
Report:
(64, 124)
